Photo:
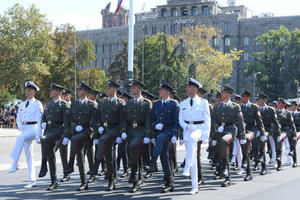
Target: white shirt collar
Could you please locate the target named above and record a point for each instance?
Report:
(138, 99)
(56, 100)
(226, 103)
(111, 99)
(83, 100)
(166, 101)
(31, 100)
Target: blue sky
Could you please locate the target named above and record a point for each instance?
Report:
(87, 13)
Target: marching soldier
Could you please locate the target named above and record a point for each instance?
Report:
(82, 115)
(55, 122)
(271, 126)
(29, 123)
(296, 117)
(194, 118)
(254, 129)
(110, 125)
(138, 119)
(226, 117)
(288, 130)
(166, 125)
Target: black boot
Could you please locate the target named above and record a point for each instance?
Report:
(278, 164)
(53, 185)
(111, 185)
(70, 167)
(248, 177)
(125, 173)
(83, 186)
(255, 166)
(94, 170)
(44, 168)
(92, 179)
(226, 183)
(294, 158)
(151, 167)
(168, 186)
(66, 178)
(135, 188)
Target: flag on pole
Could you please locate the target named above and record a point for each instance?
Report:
(118, 6)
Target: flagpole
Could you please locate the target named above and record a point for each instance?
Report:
(130, 42)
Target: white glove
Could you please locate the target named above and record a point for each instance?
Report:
(257, 133)
(146, 140)
(78, 128)
(192, 127)
(173, 139)
(263, 138)
(159, 126)
(65, 141)
(245, 125)
(295, 138)
(279, 139)
(243, 141)
(44, 125)
(181, 142)
(119, 140)
(38, 140)
(95, 141)
(153, 140)
(214, 142)
(100, 130)
(221, 129)
(124, 136)
(280, 126)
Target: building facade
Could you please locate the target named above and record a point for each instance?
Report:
(239, 31)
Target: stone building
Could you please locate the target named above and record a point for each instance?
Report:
(239, 31)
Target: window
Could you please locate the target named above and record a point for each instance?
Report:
(184, 11)
(110, 20)
(164, 13)
(174, 12)
(164, 29)
(153, 30)
(205, 10)
(227, 41)
(246, 56)
(145, 30)
(195, 11)
(120, 19)
(217, 26)
(173, 29)
(226, 26)
(246, 41)
(216, 42)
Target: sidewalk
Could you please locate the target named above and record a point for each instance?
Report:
(9, 132)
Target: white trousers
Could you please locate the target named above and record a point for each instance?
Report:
(273, 147)
(237, 153)
(24, 141)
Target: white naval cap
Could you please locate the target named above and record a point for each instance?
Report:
(32, 85)
(194, 82)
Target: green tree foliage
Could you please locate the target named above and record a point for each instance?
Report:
(94, 77)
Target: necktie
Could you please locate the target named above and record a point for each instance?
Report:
(27, 104)
(191, 102)
(164, 103)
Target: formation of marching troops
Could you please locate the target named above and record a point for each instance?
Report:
(113, 127)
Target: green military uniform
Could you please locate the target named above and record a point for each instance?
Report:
(110, 117)
(82, 116)
(56, 120)
(226, 118)
(138, 126)
(296, 117)
(288, 129)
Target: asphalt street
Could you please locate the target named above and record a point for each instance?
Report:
(275, 185)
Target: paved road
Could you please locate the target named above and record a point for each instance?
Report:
(276, 185)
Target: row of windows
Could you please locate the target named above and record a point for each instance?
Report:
(185, 12)
(120, 20)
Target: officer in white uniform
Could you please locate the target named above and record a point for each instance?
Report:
(29, 123)
(194, 118)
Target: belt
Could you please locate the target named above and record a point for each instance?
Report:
(136, 124)
(224, 124)
(194, 122)
(106, 124)
(49, 122)
(29, 123)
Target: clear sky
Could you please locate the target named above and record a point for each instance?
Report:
(87, 13)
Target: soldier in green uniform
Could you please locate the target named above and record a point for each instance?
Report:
(254, 129)
(55, 122)
(288, 129)
(226, 117)
(82, 115)
(138, 119)
(296, 117)
(110, 124)
(271, 126)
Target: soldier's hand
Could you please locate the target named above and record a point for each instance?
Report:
(44, 125)
(119, 140)
(243, 141)
(78, 128)
(95, 141)
(174, 139)
(124, 136)
(214, 142)
(153, 140)
(263, 138)
(100, 130)
(38, 140)
(146, 140)
(159, 126)
(257, 133)
(279, 139)
(181, 142)
(65, 141)
(221, 129)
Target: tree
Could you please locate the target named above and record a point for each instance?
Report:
(26, 48)
(157, 60)
(97, 78)
(272, 62)
(205, 63)
(86, 53)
